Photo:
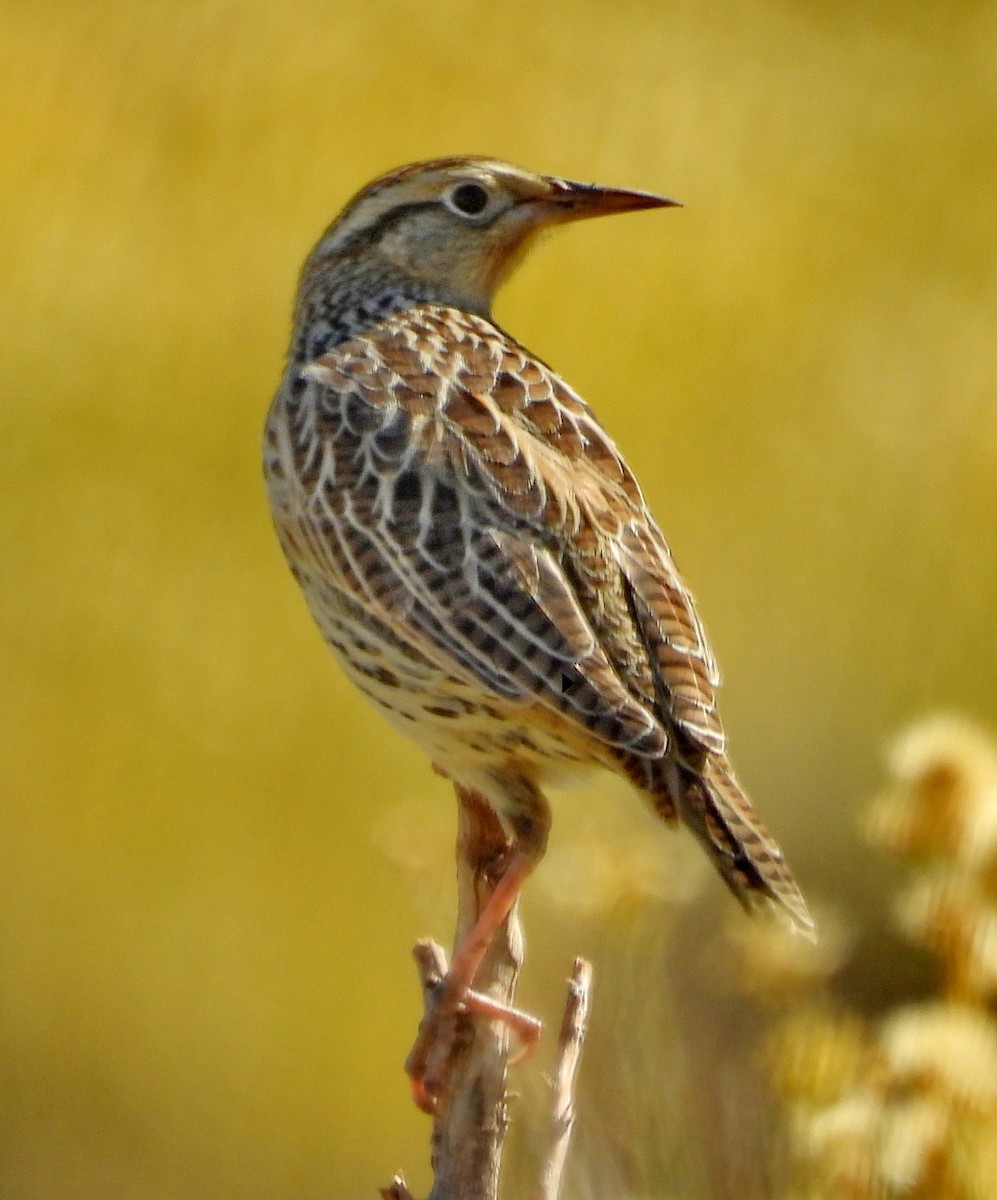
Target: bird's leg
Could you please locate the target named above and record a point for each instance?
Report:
(427, 1059)
(471, 949)
(485, 910)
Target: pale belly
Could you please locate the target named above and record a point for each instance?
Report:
(467, 733)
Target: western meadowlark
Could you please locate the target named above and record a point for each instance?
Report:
(469, 539)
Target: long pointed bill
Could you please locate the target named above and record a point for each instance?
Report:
(572, 201)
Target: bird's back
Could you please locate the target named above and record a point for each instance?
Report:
(482, 560)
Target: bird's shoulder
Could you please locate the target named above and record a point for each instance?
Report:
(477, 396)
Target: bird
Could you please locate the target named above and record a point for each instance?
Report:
(471, 542)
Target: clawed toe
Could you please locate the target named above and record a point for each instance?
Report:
(526, 1028)
(426, 1064)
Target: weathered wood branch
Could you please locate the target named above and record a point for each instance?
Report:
(461, 1057)
(574, 1026)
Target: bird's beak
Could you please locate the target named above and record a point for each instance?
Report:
(570, 201)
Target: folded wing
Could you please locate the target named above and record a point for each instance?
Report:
(468, 495)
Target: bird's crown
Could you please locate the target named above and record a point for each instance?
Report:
(458, 225)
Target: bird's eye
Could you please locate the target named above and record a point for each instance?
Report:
(469, 199)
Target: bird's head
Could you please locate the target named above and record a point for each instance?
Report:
(459, 225)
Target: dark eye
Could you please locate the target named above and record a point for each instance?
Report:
(471, 199)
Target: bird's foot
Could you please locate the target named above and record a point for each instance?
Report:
(428, 1062)
(450, 998)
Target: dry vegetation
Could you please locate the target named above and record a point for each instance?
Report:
(906, 1107)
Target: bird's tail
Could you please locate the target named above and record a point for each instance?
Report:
(714, 806)
(710, 801)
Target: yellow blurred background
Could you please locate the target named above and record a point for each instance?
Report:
(213, 856)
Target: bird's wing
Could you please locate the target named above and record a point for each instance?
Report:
(470, 498)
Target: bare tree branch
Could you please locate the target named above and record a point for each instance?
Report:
(574, 1026)
(396, 1190)
(460, 1057)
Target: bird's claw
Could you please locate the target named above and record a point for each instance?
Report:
(427, 1062)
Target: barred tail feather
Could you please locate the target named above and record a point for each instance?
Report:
(711, 803)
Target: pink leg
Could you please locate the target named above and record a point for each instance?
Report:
(455, 990)
(468, 955)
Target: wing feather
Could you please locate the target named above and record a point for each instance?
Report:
(467, 493)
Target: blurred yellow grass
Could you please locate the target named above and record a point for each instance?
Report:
(203, 942)
(908, 1108)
